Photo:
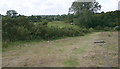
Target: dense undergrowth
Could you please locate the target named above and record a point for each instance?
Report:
(39, 31)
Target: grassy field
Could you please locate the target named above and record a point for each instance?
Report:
(61, 24)
(67, 52)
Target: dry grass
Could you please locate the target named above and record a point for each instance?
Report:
(76, 51)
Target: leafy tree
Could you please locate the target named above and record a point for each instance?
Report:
(84, 12)
(85, 19)
(78, 7)
(11, 13)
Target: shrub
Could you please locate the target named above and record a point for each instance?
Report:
(19, 28)
(116, 28)
(4, 44)
(98, 27)
(91, 29)
(106, 28)
(85, 30)
(22, 33)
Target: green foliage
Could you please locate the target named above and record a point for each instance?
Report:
(91, 29)
(78, 7)
(107, 28)
(85, 30)
(84, 19)
(54, 31)
(85, 15)
(117, 28)
(11, 13)
(98, 27)
(35, 18)
(4, 44)
(20, 29)
(22, 33)
(15, 28)
(45, 22)
(61, 24)
(103, 20)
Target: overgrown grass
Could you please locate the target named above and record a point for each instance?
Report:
(6, 46)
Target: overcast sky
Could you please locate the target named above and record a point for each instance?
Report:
(48, 7)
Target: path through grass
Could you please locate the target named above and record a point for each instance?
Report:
(68, 52)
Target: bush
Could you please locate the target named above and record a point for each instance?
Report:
(4, 44)
(85, 30)
(91, 29)
(98, 27)
(22, 33)
(106, 28)
(15, 29)
(54, 32)
(19, 28)
(116, 28)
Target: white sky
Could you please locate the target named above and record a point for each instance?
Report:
(48, 7)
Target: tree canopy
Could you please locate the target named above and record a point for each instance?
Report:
(78, 7)
(11, 13)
